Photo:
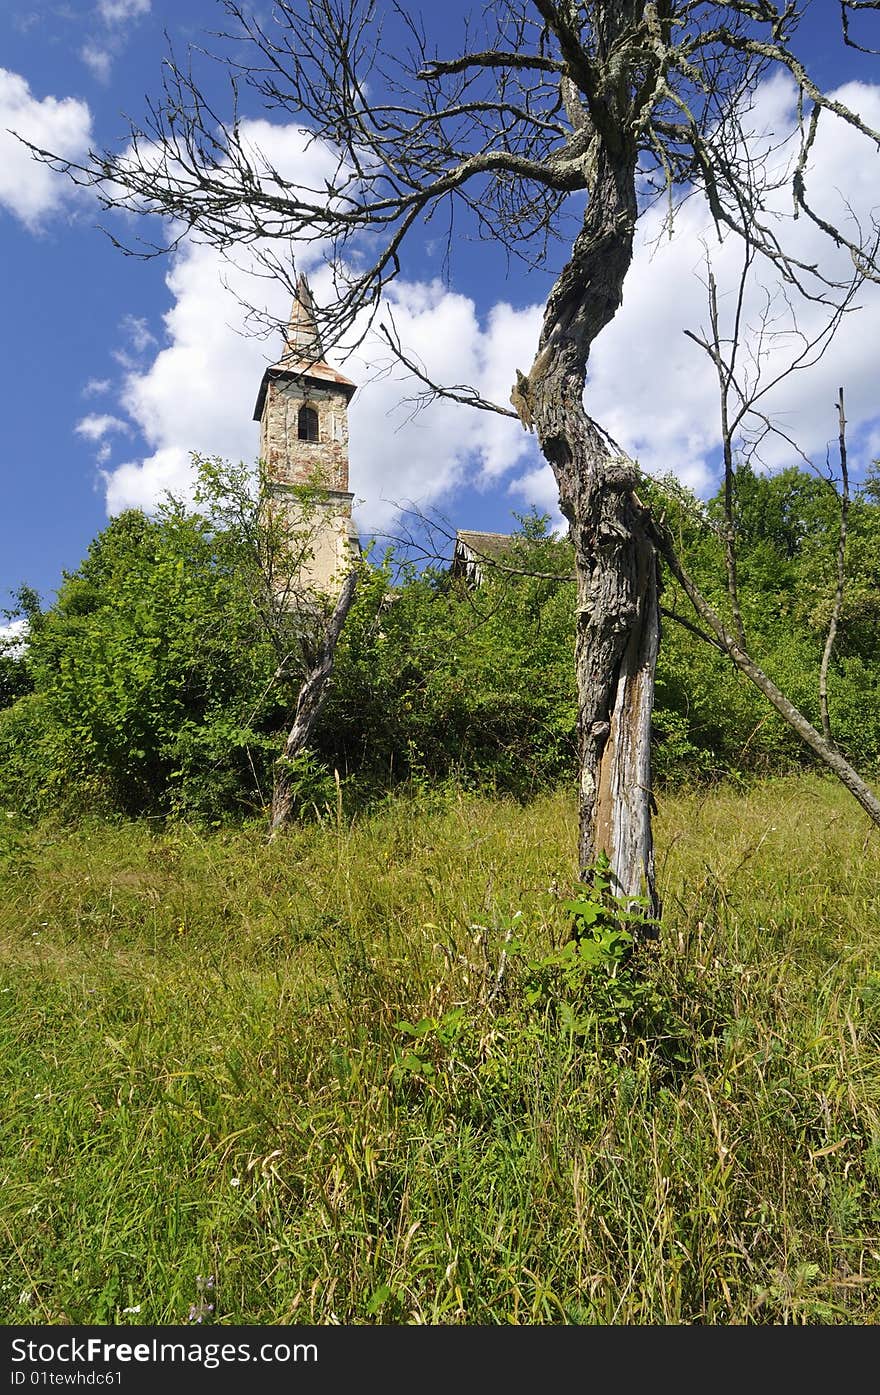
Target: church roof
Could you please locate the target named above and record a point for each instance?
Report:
(492, 545)
(303, 355)
(303, 338)
(473, 548)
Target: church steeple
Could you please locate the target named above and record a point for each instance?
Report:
(303, 356)
(303, 338)
(302, 408)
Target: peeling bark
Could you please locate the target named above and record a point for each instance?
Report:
(622, 815)
(618, 621)
(841, 575)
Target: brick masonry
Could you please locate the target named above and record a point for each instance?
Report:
(292, 461)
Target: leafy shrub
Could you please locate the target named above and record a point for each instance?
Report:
(595, 983)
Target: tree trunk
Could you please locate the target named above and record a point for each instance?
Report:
(308, 706)
(615, 814)
(618, 624)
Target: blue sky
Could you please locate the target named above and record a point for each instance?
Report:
(114, 369)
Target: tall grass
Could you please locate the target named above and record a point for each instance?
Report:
(311, 1081)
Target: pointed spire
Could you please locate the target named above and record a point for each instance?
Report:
(303, 355)
(303, 340)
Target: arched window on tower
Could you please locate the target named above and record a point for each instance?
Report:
(307, 424)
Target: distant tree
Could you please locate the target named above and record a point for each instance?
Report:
(302, 624)
(141, 663)
(741, 354)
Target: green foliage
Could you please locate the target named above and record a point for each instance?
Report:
(435, 681)
(432, 1045)
(708, 719)
(142, 671)
(313, 790)
(598, 984)
(163, 677)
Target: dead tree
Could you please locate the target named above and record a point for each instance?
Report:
(555, 109)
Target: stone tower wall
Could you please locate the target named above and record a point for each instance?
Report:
(289, 460)
(327, 532)
(327, 523)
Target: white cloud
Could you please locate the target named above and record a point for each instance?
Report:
(538, 488)
(141, 484)
(117, 11)
(12, 637)
(196, 394)
(138, 338)
(99, 53)
(95, 427)
(649, 385)
(98, 59)
(138, 332)
(398, 455)
(24, 23)
(29, 189)
(96, 387)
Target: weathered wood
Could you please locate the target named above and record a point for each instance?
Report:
(618, 610)
(622, 815)
(841, 574)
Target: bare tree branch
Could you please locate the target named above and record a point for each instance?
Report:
(459, 392)
(841, 572)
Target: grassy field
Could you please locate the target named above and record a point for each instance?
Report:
(340, 1080)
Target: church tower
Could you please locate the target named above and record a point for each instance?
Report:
(302, 408)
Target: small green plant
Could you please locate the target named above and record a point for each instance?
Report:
(313, 788)
(597, 981)
(430, 1041)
